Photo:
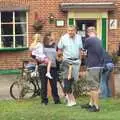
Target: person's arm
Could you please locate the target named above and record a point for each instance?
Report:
(34, 43)
(33, 46)
(70, 72)
(60, 49)
(59, 55)
(80, 46)
(80, 43)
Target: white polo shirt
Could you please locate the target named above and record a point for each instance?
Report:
(70, 46)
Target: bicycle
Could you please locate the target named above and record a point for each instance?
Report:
(27, 84)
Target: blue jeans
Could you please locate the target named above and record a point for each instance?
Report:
(104, 85)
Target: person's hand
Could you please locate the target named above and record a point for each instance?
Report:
(51, 42)
(83, 52)
(69, 76)
(59, 58)
(82, 74)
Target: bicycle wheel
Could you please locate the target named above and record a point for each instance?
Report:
(15, 89)
(22, 90)
(37, 83)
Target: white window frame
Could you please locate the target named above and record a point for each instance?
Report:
(14, 35)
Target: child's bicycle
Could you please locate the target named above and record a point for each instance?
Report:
(27, 84)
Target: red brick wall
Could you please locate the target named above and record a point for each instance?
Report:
(113, 35)
(76, 1)
(12, 60)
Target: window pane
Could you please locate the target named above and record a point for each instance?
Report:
(6, 16)
(20, 16)
(7, 41)
(20, 29)
(7, 29)
(20, 41)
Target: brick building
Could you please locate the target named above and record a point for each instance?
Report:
(17, 18)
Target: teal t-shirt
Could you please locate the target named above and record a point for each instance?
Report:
(70, 46)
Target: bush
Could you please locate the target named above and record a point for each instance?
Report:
(80, 87)
(115, 57)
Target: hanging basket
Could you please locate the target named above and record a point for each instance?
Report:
(38, 25)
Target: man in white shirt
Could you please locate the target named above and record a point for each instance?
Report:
(70, 46)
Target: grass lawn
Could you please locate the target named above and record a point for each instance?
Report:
(33, 110)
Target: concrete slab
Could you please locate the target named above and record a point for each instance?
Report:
(117, 84)
(5, 82)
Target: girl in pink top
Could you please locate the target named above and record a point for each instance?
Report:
(38, 53)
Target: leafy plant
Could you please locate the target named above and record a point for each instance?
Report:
(115, 57)
(80, 87)
(38, 25)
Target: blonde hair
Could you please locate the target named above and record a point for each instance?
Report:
(37, 38)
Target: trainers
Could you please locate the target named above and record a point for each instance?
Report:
(57, 102)
(49, 75)
(44, 103)
(86, 106)
(73, 103)
(93, 109)
(69, 104)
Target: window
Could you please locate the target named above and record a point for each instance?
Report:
(13, 29)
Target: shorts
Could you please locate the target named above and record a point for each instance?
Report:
(75, 70)
(93, 78)
(68, 84)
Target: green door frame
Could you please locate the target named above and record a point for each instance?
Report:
(104, 31)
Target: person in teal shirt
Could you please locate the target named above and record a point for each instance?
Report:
(70, 46)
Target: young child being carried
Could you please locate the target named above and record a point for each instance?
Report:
(38, 53)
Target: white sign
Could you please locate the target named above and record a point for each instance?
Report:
(60, 23)
(113, 24)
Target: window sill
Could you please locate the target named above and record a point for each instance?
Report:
(13, 49)
(9, 72)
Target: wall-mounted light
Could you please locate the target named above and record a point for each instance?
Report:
(51, 18)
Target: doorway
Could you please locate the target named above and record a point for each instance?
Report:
(82, 26)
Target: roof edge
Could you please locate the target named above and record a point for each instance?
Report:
(100, 5)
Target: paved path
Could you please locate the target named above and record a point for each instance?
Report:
(5, 82)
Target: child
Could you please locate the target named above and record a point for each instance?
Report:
(38, 53)
(67, 90)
